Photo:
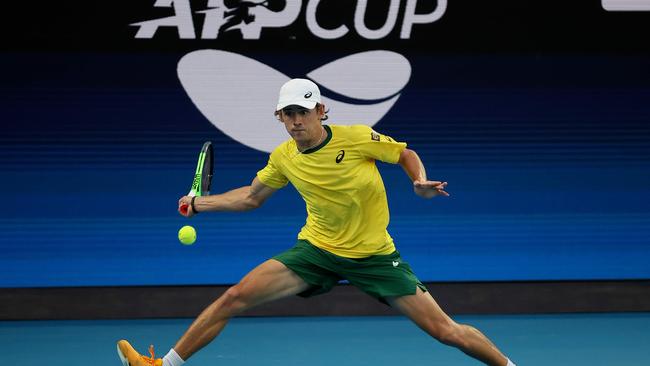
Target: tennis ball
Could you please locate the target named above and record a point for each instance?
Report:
(187, 235)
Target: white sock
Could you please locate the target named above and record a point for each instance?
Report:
(172, 359)
(510, 363)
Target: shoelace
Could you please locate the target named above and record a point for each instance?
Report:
(151, 360)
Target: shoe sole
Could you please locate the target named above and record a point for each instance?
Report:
(125, 362)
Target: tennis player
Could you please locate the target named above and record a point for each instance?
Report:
(333, 168)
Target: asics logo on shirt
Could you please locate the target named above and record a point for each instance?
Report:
(340, 156)
(395, 263)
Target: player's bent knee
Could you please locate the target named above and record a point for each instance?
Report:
(234, 301)
(451, 335)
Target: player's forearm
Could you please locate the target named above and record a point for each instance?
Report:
(236, 200)
(412, 165)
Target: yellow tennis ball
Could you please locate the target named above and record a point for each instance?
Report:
(187, 235)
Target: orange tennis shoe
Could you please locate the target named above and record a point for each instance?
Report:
(131, 357)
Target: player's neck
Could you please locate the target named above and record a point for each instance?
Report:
(312, 144)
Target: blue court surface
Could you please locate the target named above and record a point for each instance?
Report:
(530, 340)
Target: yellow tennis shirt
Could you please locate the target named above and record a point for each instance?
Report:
(347, 209)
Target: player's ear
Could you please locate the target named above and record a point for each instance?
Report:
(278, 116)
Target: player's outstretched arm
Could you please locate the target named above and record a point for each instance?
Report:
(412, 165)
(240, 199)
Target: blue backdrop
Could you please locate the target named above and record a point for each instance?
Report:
(546, 155)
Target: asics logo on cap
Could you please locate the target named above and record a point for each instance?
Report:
(226, 87)
(308, 95)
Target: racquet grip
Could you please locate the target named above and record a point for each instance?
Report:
(184, 208)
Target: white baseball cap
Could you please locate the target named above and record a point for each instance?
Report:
(300, 92)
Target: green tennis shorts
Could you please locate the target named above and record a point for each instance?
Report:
(380, 276)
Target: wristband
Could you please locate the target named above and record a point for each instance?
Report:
(192, 205)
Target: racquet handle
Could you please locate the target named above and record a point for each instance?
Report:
(184, 208)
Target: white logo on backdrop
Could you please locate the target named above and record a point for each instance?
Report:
(626, 5)
(238, 94)
(251, 16)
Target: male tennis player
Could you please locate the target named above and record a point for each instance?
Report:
(333, 168)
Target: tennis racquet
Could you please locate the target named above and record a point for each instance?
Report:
(202, 176)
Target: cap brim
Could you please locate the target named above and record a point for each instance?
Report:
(302, 103)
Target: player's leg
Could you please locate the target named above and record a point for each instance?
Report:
(269, 281)
(427, 314)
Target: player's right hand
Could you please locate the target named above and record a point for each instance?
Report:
(185, 206)
(429, 188)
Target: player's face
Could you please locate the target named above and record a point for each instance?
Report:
(304, 125)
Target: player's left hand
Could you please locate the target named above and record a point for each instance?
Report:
(430, 188)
